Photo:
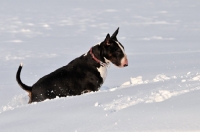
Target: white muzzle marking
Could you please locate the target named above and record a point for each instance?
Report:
(124, 60)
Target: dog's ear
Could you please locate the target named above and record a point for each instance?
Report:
(107, 39)
(114, 36)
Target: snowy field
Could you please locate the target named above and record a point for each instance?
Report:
(158, 92)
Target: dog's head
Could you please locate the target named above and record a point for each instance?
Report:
(114, 50)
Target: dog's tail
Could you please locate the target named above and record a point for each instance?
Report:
(22, 85)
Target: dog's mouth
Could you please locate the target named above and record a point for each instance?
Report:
(122, 63)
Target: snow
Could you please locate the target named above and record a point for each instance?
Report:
(158, 92)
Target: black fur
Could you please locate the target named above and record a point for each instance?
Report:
(79, 76)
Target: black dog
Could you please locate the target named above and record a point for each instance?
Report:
(83, 74)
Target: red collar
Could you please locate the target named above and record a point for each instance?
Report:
(97, 60)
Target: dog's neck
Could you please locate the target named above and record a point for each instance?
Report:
(106, 63)
(96, 53)
(99, 54)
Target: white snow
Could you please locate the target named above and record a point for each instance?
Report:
(159, 91)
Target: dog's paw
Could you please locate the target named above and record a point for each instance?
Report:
(85, 91)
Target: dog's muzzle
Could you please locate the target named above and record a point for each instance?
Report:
(124, 62)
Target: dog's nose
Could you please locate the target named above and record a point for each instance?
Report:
(124, 62)
(125, 65)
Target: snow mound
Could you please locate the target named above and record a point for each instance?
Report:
(160, 77)
(158, 96)
(134, 81)
(197, 78)
(17, 101)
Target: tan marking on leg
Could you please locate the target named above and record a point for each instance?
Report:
(30, 95)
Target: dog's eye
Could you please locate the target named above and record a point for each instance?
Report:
(118, 51)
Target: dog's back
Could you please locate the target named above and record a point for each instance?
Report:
(75, 78)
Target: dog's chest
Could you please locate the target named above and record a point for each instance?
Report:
(103, 72)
